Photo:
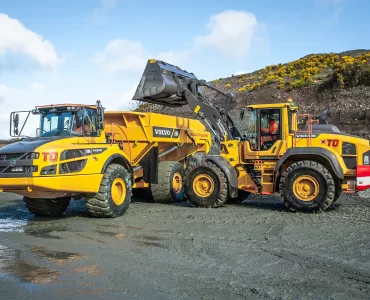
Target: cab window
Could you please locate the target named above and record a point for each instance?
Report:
(270, 128)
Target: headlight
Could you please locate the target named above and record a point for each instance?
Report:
(49, 170)
(73, 166)
(348, 148)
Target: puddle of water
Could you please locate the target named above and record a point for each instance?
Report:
(44, 232)
(149, 244)
(11, 225)
(13, 264)
(91, 270)
(149, 237)
(56, 257)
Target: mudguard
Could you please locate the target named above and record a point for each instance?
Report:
(229, 171)
(326, 154)
(118, 158)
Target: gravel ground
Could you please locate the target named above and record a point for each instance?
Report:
(254, 250)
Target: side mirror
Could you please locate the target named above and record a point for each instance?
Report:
(38, 132)
(100, 112)
(16, 120)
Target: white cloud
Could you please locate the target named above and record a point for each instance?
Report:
(122, 55)
(240, 73)
(108, 4)
(14, 99)
(36, 86)
(100, 13)
(231, 32)
(126, 99)
(17, 39)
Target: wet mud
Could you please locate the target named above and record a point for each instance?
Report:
(253, 250)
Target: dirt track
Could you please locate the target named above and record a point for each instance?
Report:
(251, 251)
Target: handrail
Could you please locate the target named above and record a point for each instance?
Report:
(308, 131)
(128, 143)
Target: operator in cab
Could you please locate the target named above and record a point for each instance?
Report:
(273, 128)
(269, 135)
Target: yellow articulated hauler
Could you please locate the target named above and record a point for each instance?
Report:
(82, 151)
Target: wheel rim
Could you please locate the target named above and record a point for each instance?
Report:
(203, 185)
(118, 191)
(177, 182)
(306, 188)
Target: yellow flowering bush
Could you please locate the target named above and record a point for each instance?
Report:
(305, 71)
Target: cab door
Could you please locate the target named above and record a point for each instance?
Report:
(269, 131)
(263, 134)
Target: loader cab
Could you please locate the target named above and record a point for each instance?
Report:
(265, 128)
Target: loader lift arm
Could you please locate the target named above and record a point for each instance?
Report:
(171, 86)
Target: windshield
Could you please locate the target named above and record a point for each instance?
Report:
(68, 123)
(248, 126)
(57, 123)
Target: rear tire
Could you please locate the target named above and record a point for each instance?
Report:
(46, 207)
(114, 196)
(205, 184)
(169, 188)
(307, 186)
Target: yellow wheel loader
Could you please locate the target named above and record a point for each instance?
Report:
(83, 151)
(309, 162)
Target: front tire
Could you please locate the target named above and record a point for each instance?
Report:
(114, 196)
(205, 184)
(46, 207)
(307, 186)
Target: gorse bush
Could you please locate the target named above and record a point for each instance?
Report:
(346, 70)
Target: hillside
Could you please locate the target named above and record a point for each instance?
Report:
(340, 82)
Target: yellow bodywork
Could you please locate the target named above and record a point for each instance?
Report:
(127, 136)
(239, 154)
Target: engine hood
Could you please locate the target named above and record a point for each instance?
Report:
(29, 144)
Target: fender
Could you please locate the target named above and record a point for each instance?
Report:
(326, 154)
(117, 158)
(229, 171)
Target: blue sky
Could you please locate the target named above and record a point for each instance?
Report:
(80, 51)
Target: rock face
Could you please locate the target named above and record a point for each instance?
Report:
(340, 82)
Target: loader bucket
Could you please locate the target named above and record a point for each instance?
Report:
(157, 85)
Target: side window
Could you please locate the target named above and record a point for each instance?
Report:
(77, 125)
(90, 122)
(270, 127)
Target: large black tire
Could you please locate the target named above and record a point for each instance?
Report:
(338, 193)
(103, 203)
(166, 190)
(312, 169)
(46, 207)
(217, 196)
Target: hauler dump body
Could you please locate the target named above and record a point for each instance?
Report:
(309, 162)
(85, 152)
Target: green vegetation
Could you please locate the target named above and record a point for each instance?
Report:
(312, 69)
